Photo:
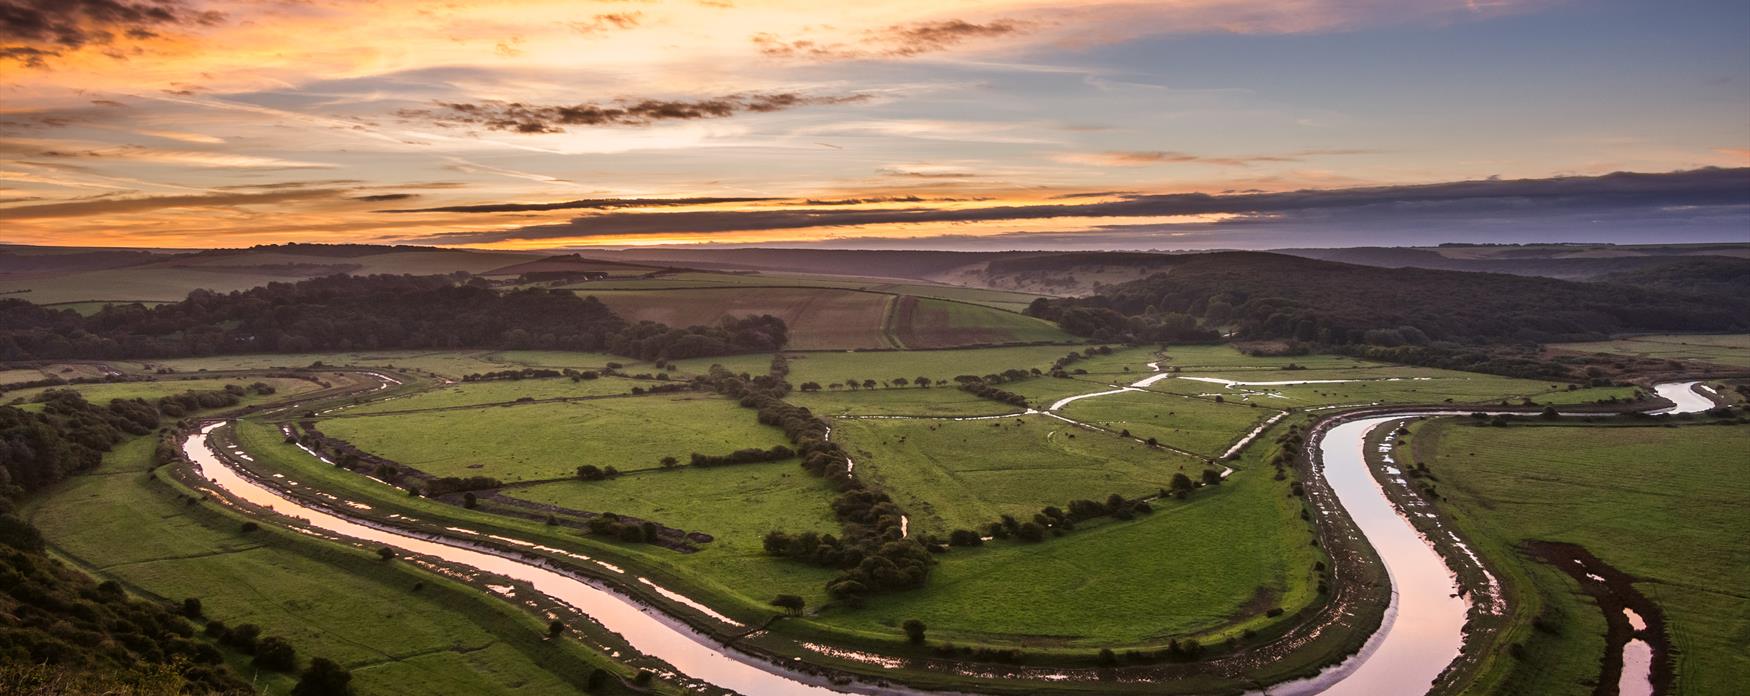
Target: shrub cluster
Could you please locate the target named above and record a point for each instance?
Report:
(743, 456)
(455, 484)
(985, 391)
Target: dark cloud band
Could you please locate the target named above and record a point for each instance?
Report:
(534, 118)
(1475, 200)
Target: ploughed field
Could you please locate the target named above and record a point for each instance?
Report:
(831, 318)
(1663, 504)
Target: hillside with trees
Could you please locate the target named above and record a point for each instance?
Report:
(63, 632)
(339, 313)
(1272, 296)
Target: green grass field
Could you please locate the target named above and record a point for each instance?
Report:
(736, 505)
(558, 359)
(827, 367)
(172, 279)
(476, 393)
(1000, 299)
(1203, 358)
(542, 441)
(451, 364)
(835, 318)
(817, 318)
(934, 401)
(1662, 504)
(90, 308)
(1216, 560)
(328, 600)
(1382, 384)
(951, 475)
(102, 393)
(726, 576)
(148, 283)
(16, 376)
(935, 323)
(1198, 425)
(1730, 350)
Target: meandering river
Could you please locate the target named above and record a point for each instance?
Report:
(1421, 635)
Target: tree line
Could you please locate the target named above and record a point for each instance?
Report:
(341, 313)
(872, 553)
(1272, 296)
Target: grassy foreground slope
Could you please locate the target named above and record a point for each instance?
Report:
(399, 630)
(1665, 505)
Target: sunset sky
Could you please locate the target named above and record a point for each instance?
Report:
(971, 124)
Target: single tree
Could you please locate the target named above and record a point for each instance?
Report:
(922, 382)
(191, 608)
(1182, 483)
(554, 628)
(914, 631)
(275, 653)
(386, 553)
(324, 678)
(791, 604)
(670, 462)
(870, 384)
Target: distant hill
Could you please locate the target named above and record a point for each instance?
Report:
(1570, 261)
(42, 260)
(1277, 296)
(571, 263)
(1708, 276)
(127, 276)
(857, 262)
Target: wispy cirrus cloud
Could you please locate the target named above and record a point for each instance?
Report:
(895, 41)
(137, 204)
(1144, 158)
(537, 118)
(607, 22)
(78, 154)
(584, 204)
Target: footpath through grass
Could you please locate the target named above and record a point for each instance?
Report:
(1664, 504)
(1203, 426)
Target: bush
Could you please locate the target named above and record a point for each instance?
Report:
(791, 604)
(914, 631)
(275, 653)
(242, 637)
(324, 678)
